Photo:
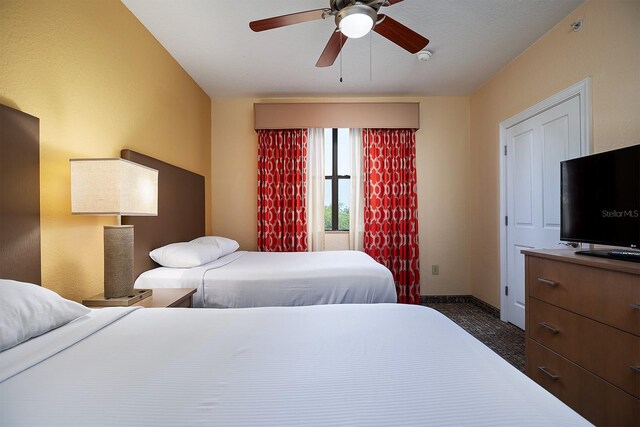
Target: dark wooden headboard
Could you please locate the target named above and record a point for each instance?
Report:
(19, 196)
(181, 210)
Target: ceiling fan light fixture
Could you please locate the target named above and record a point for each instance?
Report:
(356, 21)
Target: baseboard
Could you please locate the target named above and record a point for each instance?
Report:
(439, 299)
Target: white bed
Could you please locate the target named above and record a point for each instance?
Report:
(181, 221)
(269, 279)
(346, 364)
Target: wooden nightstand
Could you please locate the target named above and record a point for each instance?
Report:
(161, 297)
(169, 297)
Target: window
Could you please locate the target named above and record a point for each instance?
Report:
(337, 179)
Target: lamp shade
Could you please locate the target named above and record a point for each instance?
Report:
(113, 187)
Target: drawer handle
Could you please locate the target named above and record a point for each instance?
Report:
(549, 327)
(635, 369)
(636, 306)
(548, 282)
(549, 373)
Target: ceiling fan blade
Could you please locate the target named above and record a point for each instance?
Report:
(284, 20)
(392, 2)
(403, 36)
(332, 49)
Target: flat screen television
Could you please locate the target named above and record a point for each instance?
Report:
(601, 201)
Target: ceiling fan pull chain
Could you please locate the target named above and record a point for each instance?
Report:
(370, 58)
(340, 57)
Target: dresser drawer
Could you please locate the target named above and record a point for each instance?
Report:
(593, 398)
(608, 296)
(608, 352)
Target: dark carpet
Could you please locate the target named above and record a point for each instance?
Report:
(505, 339)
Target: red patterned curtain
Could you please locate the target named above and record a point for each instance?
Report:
(391, 206)
(282, 175)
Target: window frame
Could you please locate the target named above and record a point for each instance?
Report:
(335, 181)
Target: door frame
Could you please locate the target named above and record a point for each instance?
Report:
(582, 90)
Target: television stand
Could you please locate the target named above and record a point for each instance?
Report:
(621, 254)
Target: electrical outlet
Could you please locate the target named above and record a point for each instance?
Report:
(435, 270)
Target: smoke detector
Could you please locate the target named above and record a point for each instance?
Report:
(423, 55)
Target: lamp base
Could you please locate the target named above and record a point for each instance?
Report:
(118, 261)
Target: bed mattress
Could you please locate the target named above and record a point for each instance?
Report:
(373, 364)
(271, 279)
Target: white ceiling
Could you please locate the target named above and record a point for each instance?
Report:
(470, 40)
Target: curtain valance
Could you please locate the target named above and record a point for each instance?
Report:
(378, 115)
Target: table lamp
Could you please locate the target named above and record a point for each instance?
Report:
(114, 187)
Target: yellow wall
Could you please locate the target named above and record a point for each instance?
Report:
(607, 48)
(99, 82)
(443, 179)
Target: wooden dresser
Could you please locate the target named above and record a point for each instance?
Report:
(583, 333)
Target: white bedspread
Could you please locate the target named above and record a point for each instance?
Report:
(270, 279)
(373, 364)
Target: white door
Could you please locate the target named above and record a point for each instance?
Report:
(534, 150)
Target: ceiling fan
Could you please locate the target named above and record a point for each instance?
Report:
(354, 19)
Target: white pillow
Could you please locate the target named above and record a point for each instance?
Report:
(227, 245)
(185, 255)
(29, 310)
